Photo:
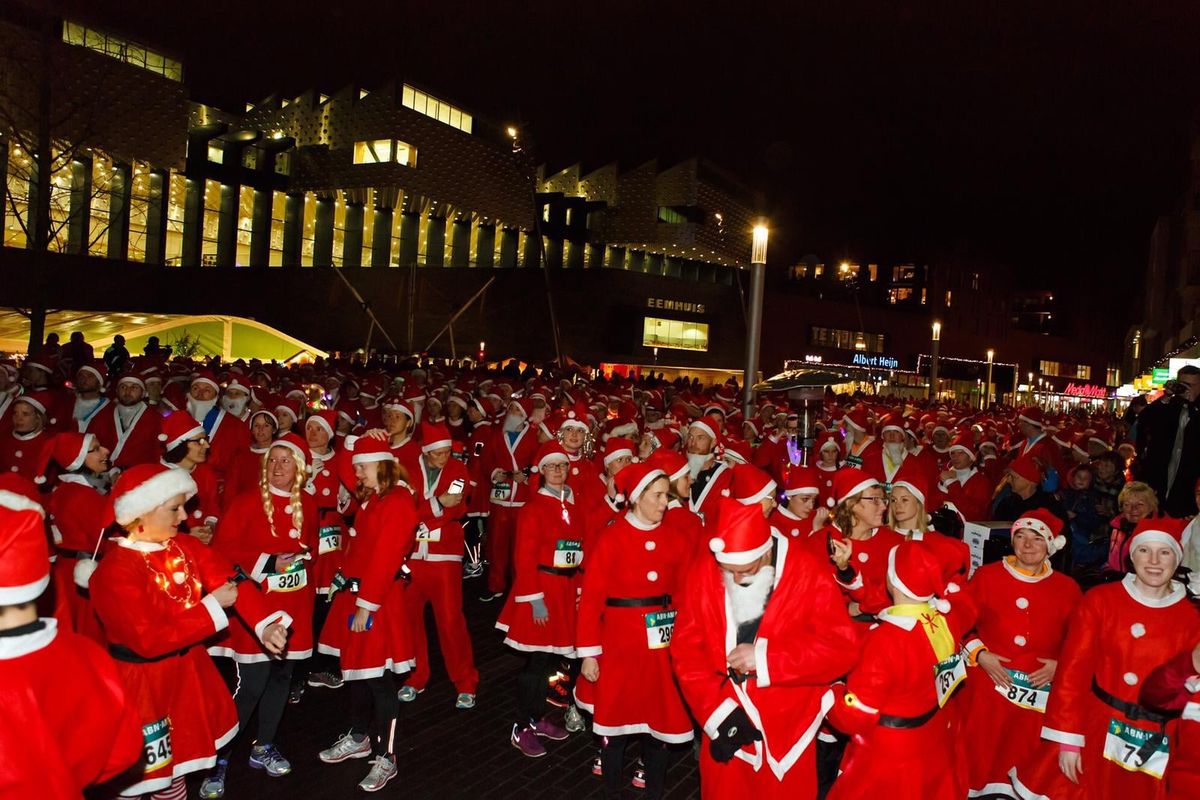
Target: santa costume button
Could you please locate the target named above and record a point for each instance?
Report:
(1137, 630)
(650, 545)
(863, 557)
(1022, 602)
(651, 576)
(1130, 678)
(1019, 640)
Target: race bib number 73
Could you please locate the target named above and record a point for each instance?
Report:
(1135, 749)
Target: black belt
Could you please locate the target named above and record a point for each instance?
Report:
(864, 618)
(1132, 710)
(890, 721)
(638, 602)
(65, 553)
(565, 572)
(121, 653)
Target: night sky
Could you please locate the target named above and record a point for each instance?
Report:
(1039, 137)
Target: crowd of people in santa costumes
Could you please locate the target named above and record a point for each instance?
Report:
(805, 611)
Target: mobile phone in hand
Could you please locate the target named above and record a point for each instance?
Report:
(457, 486)
(370, 621)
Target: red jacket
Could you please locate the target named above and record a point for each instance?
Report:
(138, 444)
(441, 538)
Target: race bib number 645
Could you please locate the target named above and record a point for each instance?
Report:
(156, 738)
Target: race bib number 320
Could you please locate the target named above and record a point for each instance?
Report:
(659, 627)
(293, 580)
(568, 553)
(156, 738)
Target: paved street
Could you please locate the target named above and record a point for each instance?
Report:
(442, 752)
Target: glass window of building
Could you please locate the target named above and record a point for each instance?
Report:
(245, 225)
(368, 237)
(308, 232)
(406, 154)
(674, 334)
(436, 109)
(176, 199)
(283, 163)
(377, 151)
(139, 213)
(278, 214)
(211, 225)
(339, 232)
(670, 216)
(216, 151)
(122, 50)
(16, 209)
(61, 181)
(846, 340)
(100, 204)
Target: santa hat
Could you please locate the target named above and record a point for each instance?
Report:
(239, 382)
(891, 422)
(1033, 415)
(617, 447)
(144, 487)
(708, 427)
(434, 437)
(458, 400)
(1046, 525)
(635, 479)
(623, 427)
(914, 570)
(24, 553)
(744, 535)
(205, 376)
(849, 482)
(268, 414)
(297, 445)
(738, 452)
(368, 449)
(97, 368)
(394, 402)
(67, 449)
(909, 476)
(963, 442)
(349, 410)
(177, 427)
(667, 438)
(802, 480)
(1026, 467)
(41, 403)
(326, 418)
(131, 379)
(673, 463)
(548, 453)
(750, 484)
(1160, 531)
(289, 405)
(858, 418)
(828, 439)
(576, 417)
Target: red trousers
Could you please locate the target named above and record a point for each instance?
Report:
(440, 583)
(498, 549)
(737, 779)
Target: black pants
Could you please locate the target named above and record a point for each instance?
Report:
(376, 709)
(473, 535)
(532, 682)
(264, 686)
(317, 662)
(612, 764)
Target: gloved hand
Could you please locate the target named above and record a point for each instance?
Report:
(947, 522)
(540, 613)
(734, 732)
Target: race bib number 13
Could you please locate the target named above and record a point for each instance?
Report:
(156, 738)
(329, 538)
(568, 553)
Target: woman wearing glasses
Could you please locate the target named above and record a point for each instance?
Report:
(539, 616)
(186, 447)
(858, 542)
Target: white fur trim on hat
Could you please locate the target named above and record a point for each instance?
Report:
(615, 454)
(171, 445)
(899, 584)
(1053, 543)
(15, 595)
(1031, 421)
(1160, 537)
(801, 490)
(429, 447)
(649, 478)
(204, 379)
(705, 427)
(717, 546)
(295, 448)
(322, 422)
(19, 502)
(367, 458)
(762, 494)
(917, 493)
(131, 379)
(964, 448)
(861, 486)
(24, 398)
(551, 457)
(151, 494)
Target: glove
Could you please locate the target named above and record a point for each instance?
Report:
(540, 612)
(733, 733)
(947, 522)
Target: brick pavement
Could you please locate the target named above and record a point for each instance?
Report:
(443, 753)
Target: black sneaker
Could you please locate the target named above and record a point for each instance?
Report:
(295, 693)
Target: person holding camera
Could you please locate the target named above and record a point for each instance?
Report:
(1168, 443)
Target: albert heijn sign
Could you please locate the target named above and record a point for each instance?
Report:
(1088, 390)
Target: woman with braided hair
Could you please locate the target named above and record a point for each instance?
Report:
(270, 532)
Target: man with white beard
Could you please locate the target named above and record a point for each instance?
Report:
(760, 635)
(236, 398)
(128, 429)
(883, 463)
(89, 393)
(227, 435)
(709, 474)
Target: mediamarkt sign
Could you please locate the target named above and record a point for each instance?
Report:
(1086, 390)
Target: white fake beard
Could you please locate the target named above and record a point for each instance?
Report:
(896, 451)
(749, 599)
(199, 408)
(513, 422)
(696, 462)
(126, 412)
(234, 406)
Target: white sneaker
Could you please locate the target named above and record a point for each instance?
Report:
(383, 769)
(573, 720)
(345, 748)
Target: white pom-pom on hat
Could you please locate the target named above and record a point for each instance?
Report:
(39, 480)
(162, 437)
(82, 573)
(1060, 542)
(941, 604)
(716, 544)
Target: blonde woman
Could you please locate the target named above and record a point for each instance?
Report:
(270, 532)
(1137, 501)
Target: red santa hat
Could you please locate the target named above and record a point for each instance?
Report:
(394, 402)
(802, 480)
(132, 378)
(618, 447)
(1046, 525)
(738, 451)
(909, 476)
(24, 553)
(67, 449)
(857, 418)
(144, 487)
(750, 484)
(635, 479)
(177, 427)
(289, 405)
(1033, 415)
(828, 439)
(576, 417)
(548, 453)
(434, 437)
(326, 418)
(1160, 531)
(965, 443)
(268, 414)
(891, 422)
(368, 449)
(41, 402)
(205, 376)
(667, 438)
(708, 427)
(238, 381)
(349, 410)
(744, 535)
(95, 367)
(297, 445)
(1026, 467)
(673, 463)
(849, 482)
(915, 570)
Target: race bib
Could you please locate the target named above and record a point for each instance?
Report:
(293, 579)
(948, 675)
(568, 553)
(500, 491)
(426, 535)
(156, 739)
(329, 539)
(1023, 693)
(659, 627)
(854, 461)
(1135, 749)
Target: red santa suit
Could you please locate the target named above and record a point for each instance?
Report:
(436, 565)
(227, 436)
(155, 625)
(953, 554)
(503, 456)
(134, 443)
(204, 508)
(77, 514)
(1175, 686)
(825, 484)
(478, 496)
(708, 489)
(791, 525)
(19, 452)
(771, 456)
(868, 559)
(245, 537)
(381, 539)
(548, 554)
(1115, 639)
(971, 493)
(859, 454)
(334, 505)
(1022, 618)
(244, 473)
(626, 618)
(802, 641)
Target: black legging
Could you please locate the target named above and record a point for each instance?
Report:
(376, 708)
(263, 685)
(612, 764)
(532, 683)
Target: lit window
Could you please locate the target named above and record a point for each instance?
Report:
(382, 151)
(674, 334)
(873, 270)
(216, 152)
(436, 109)
(819, 270)
(948, 298)
(122, 50)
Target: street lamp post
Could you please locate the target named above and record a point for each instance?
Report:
(991, 356)
(933, 362)
(758, 269)
(1031, 398)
